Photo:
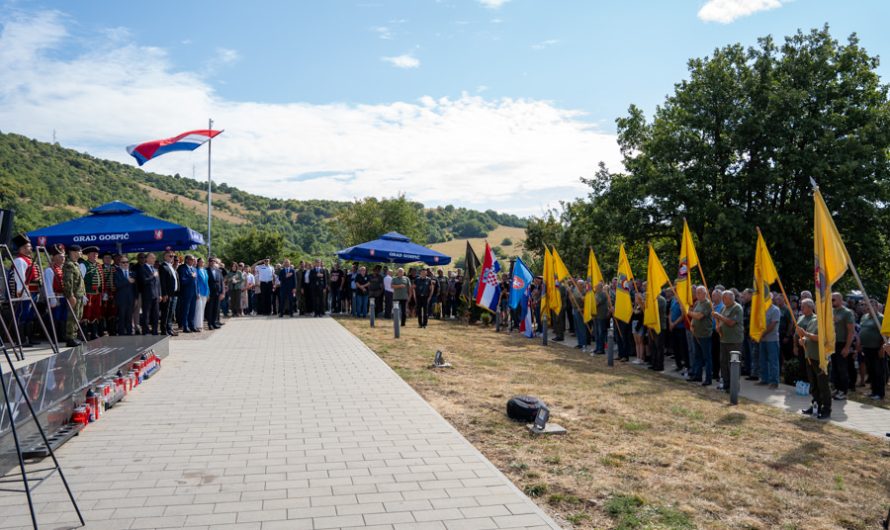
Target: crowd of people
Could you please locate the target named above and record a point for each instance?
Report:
(106, 294)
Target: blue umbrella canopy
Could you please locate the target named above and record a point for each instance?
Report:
(393, 248)
(119, 224)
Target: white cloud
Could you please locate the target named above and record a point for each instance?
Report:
(516, 155)
(405, 60)
(493, 4)
(726, 11)
(545, 44)
(382, 32)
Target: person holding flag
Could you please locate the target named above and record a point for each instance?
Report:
(597, 304)
(870, 345)
(519, 296)
(656, 304)
(688, 260)
(552, 299)
(765, 316)
(623, 304)
(488, 291)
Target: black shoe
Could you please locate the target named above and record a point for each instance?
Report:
(706, 383)
(578, 347)
(809, 411)
(752, 378)
(558, 339)
(824, 415)
(72, 343)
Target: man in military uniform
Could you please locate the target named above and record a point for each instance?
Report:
(74, 291)
(92, 279)
(108, 323)
(24, 280)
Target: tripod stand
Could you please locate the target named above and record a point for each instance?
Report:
(29, 486)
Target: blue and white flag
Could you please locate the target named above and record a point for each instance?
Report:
(519, 296)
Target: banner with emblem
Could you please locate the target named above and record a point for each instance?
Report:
(488, 292)
(519, 296)
(830, 264)
(688, 260)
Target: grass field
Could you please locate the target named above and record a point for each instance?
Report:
(457, 248)
(643, 450)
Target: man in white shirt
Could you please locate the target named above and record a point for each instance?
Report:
(265, 274)
(52, 287)
(387, 293)
(26, 275)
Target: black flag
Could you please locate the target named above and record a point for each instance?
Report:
(472, 263)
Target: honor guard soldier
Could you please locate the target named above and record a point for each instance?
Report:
(24, 282)
(109, 309)
(92, 279)
(75, 292)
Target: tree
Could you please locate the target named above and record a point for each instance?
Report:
(370, 218)
(255, 245)
(734, 147)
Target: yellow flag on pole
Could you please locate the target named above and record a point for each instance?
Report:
(765, 274)
(885, 328)
(623, 303)
(559, 268)
(688, 261)
(656, 277)
(552, 300)
(830, 264)
(594, 277)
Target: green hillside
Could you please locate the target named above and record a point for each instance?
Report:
(46, 184)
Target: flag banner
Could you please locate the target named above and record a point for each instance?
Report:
(623, 303)
(519, 296)
(594, 277)
(830, 264)
(488, 292)
(551, 299)
(559, 268)
(656, 277)
(885, 327)
(765, 275)
(471, 265)
(187, 141)
(688, 261)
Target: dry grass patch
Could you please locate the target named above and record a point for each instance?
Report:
(457, 248)
(197, 206)
(643, 450)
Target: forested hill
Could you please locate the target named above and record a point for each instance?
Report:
(46, 184)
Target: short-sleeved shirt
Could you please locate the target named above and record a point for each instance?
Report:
(677, 312)
(400, 288)
(602, 306)
(733, 334)
(361, 279)
(773, 314)
(423, 286)
(702, 328)
(842, 317)
(870, 332)
(810, 325)
(662, 312)
(376, 284)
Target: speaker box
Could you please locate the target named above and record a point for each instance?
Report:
(6, 217)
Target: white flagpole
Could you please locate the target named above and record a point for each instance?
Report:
(209, 191)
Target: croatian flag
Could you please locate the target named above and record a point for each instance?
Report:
(187, 141)
(488, 292)
(519, 295)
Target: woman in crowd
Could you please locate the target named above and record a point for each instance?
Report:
(203, 293)
(638, 329)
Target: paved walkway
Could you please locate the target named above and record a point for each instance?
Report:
(849, 414)
(277, 424)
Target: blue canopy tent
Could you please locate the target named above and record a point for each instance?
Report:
(119, 227)
(393, 248)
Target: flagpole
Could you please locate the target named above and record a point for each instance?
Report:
(871, 309)
(209, 190)
(572, 300)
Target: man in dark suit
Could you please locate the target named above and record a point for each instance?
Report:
(149, 278)
(169, 293)
(216, 283)
(124, 296)
(287, 289)
(188, 294)
(319, 278)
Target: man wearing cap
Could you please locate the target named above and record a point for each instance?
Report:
(109, 307)
(264, 276)
(52, 285)
(74, 291)
(24, 277)
(92, 279)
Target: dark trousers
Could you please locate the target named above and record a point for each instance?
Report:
(877, 370)
(285, 302)
(840, 372)
(265, 307)
(423, 310)
(336, 302)
(387, 304)
(680, 347)
(378, 304)
(623, 339)
(187, 311)
(125, 317)
(658, 344)
(819, 386)
(318, 301)
(211, 310)
(168, 309)
(602, 334)
(403, 310)
(235, 301)
(149, 317)
(559, 325)
(726, 349)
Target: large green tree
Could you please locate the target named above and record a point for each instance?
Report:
(370, 218)
(734, 147)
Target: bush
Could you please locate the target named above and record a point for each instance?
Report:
(507, 242)
(485, 318)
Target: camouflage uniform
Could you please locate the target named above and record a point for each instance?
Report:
(72, 285)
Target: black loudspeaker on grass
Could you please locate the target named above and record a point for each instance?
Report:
(6, 218)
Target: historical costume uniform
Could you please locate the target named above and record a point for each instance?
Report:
(24, 284)
(52, 285)
(109, 306)
(92, 279)
(73, 287)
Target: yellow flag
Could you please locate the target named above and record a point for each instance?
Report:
(656, 277)
(688, 261)
(559, 268)
(885, 328)
(765, 274)
(623, 303)
(552, 301)
(594, 277)
(831, 264)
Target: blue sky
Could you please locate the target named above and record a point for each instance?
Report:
(345, 99)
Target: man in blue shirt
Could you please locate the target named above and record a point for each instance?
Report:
(677, 328)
